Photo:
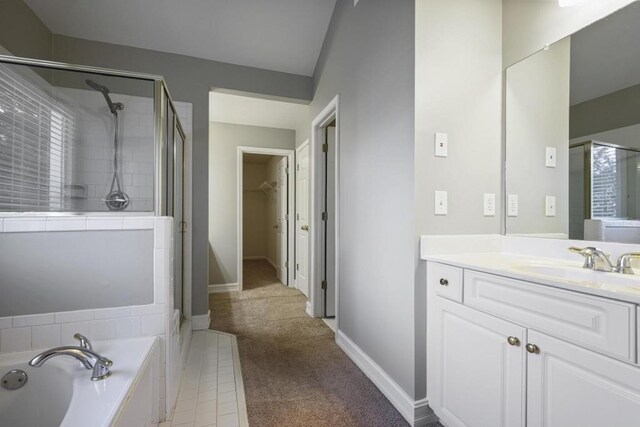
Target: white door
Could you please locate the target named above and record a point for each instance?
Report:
(302, 219)
(568, 386)
(476, 377)
(282, 215)
(330, 223)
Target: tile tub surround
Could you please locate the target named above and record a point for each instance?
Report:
(24, 333)
(212, 391)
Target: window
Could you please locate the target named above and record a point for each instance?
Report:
(36, 138)
(604, 186)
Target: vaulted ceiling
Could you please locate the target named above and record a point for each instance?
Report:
(280, 35)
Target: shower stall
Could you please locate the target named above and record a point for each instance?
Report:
(81, 140)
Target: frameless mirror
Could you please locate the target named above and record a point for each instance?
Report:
(573, 135)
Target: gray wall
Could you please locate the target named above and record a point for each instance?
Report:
(223, 190)
(368, 58)
(22, 33)
(612, 111)
(65, 271)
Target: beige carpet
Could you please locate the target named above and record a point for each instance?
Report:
(294, 373)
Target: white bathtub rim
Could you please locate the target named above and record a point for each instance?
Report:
(102, 410)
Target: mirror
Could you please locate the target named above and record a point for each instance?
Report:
(572, 135)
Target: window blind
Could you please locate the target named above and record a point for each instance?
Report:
(36, 143)
(604, 199)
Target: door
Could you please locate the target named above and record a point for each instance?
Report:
(329, 224)
(302, 219)
(283, 221)
(476, 377)
(603, 391)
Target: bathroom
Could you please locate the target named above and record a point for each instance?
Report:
(476, 142)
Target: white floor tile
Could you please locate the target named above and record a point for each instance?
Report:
(209, 395)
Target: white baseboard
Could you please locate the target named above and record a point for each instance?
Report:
(417, 413)
(308, 309)
(201, 321)
(224, 287)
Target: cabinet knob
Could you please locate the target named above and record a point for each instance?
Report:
(444, 282)
(532, 348)
(513, 341)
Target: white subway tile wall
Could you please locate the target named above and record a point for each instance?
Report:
(91, 162)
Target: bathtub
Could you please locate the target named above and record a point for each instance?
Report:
(61, 393)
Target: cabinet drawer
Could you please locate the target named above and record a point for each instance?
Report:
(604, 325)
(446, 280)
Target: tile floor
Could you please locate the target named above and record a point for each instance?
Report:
(211, 393)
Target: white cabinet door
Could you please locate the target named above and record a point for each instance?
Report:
(475, 377)
(570, 386)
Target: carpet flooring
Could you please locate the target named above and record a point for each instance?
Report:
(294, 373)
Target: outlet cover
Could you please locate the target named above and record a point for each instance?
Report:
(489, 204)
(441, 145)
(550, 205)
(550, 157)
(440, 207)
(512, 205)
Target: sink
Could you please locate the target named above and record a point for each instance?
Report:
(578, 275)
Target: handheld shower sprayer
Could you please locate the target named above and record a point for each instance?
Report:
(116, 200)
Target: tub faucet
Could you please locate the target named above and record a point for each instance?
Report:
(84, 341)
(594, 259)
(100, 365)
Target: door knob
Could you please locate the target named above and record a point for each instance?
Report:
(444, 282)
(305, 227)
(275, 226)
(532, 348)
(513, 341)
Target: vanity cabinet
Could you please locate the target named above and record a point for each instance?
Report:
(570, 386)
(475, 377)
(514, 353)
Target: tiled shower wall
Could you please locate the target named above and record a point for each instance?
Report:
(92, 161)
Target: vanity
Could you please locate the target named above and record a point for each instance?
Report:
(519, 338)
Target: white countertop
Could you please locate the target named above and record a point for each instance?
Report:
(547, 271)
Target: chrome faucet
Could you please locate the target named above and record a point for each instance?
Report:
(84, 341)
(597, 260)
(84, 353)
(624, 262)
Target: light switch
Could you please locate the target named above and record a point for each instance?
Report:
(550, 157)
(550, 205)
(489, 204)
(512, 205)
(440, 203)
(441, 145)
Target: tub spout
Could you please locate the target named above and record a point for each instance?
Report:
(100, 365)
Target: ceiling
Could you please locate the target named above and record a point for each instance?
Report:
(280, 35)
(605, 56)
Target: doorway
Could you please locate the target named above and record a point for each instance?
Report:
(324, 214)
(265, 201)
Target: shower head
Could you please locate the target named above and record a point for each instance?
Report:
(113, 107)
